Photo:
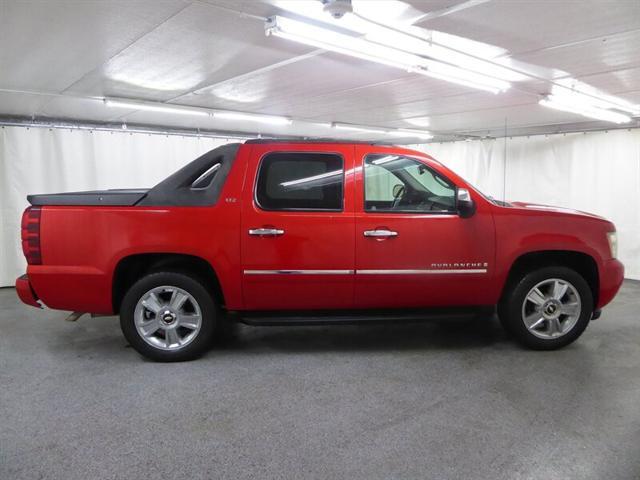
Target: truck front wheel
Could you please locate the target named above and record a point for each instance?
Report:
(547, 308)
(168, 316)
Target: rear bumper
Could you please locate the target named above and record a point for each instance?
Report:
(611, 277)
(25, 291)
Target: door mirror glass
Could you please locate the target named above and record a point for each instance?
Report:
(398, 190)
(466, 205)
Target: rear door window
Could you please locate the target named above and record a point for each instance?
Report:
(300, 181)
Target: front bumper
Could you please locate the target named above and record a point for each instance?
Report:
(611, 277)
(26, 292)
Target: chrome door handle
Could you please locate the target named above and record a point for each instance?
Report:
(380, 233)
(266, 232)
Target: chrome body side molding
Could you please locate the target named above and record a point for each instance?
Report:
(367, 272)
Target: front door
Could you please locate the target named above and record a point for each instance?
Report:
(297, 236)
(412, 247)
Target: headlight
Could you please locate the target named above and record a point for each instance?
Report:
(613, 243)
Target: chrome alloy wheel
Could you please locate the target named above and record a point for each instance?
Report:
(168, 318)
(551, 308)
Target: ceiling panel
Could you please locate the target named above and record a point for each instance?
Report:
(616, 51)
(200, 45)
(48, 45)
(275, 91)
(526, 25)
(165, 50)
(619, 82)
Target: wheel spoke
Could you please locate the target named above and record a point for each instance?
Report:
(554, 326)
(536, 297)
(534, 320)
(152, 303)
(177, 300)
(172, 337)
(559, 289)
(570, 308)
(150, 327)
(190, 321)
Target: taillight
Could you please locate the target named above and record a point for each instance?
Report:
(31, 235)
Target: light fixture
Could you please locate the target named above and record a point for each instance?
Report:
(586, 96)
(459, 80)
(327, 39)
(270, 119)
(399, 132)
(132, 105)
(444, 47)
(402, 132)
(552, 101)
(360, 47)
(359, 128)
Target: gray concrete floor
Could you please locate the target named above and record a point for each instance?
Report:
(445, 401)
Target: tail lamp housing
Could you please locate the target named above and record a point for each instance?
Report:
(30, 230)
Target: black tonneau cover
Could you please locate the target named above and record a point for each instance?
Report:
(121, 197)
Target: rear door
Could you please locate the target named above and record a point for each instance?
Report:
(412, 247)
(297, 236)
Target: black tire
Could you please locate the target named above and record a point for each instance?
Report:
(510, 310)
(193, 287)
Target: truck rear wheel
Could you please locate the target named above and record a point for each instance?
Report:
(168, 316)
(547, 308)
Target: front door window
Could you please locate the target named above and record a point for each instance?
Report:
(395, 183)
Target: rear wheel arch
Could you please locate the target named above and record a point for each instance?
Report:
(580, 262)
(131, 268)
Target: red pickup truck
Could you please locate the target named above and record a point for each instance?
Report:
(275, 232)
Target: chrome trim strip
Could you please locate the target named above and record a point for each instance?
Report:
(364, 272)
(299, 272)
(420, 272)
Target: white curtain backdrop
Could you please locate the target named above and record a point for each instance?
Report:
(42, 160)
(596, 172)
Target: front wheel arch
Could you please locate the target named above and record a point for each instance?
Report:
(580, 262)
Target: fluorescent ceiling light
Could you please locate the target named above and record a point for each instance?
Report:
(399, 132)
(433, 47)
(590, 111)
(154, 108)
(271, 119)
(358, 128)
(462, 77)
(586, 96)
(328, 39)
(386, 23)
(410, 133)
(360, 47)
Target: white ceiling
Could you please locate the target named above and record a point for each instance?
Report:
(56, 55)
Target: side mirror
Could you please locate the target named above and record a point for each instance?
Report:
(465, 204)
